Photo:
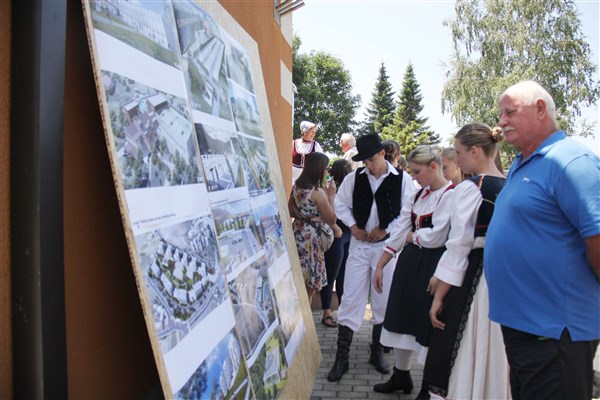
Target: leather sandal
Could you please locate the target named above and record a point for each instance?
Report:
(329, 322)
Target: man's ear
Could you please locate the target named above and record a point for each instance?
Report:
(541, 108)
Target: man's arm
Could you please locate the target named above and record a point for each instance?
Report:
(592, 247)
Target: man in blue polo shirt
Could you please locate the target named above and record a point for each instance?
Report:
(542, 252)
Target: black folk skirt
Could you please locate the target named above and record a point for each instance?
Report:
(409, 302)
(444, 344)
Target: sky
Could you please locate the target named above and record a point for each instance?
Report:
(364, 33)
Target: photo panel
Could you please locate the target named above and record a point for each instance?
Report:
(291, 322)
(184, 131)
(245, 110)
(268, 368)
(256, 164)
(222, 375)
(203, 57)
(237, 233)
(221, 157)
(267, 219)
(238, 62)
(145, 25)
(153, 136)
(184, 280)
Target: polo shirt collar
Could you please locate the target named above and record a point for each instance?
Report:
(543, 148)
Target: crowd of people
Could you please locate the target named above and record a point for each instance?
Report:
(490, 280)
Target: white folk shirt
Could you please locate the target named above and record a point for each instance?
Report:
(343, 199)
(439, 202)
(453, 264)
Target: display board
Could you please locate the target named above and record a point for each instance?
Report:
(188, 134)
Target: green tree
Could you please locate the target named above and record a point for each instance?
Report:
(498, 43)
(408, 127)
(381, 109)
(324, 95)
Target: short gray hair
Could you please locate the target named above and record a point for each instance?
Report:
(529, 92)
(348, 138)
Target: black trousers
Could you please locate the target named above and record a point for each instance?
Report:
(542, 368)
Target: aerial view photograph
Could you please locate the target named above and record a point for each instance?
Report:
(154, 139)
(183, 277)
(221, 157)
(145, 25)
(203, 53)
(222, 375)
(252, 304)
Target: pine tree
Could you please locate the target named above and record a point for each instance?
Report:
(407, 127)
(381, 109)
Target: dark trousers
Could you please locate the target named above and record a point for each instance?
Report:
(542, 368)
(335, 257)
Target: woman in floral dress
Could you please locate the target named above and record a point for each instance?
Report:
(311, 204)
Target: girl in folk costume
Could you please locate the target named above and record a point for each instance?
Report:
(450, 166)
(466, 358)
(418, 234)
(303, 146)
(311, 204)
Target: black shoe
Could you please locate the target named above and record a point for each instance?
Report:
(400, 380)
(341, 364)
(376, 358)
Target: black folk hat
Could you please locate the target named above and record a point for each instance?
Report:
(367, 146)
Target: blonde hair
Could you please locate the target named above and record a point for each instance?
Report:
(449, 153)
(425, 155)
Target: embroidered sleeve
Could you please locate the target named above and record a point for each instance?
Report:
(453, 263)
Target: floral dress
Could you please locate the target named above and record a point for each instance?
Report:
(310, 253)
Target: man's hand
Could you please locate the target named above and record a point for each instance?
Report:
(376, 235)
(358, 234)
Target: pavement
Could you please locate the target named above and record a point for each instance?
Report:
(358, 382)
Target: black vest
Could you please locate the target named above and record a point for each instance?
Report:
(388, 198)
(489, 186)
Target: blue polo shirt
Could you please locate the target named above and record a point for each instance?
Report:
(536, 268)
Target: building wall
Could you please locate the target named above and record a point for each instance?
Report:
(5, 276)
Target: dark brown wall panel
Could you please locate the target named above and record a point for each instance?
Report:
(108, 349)
(5, 277)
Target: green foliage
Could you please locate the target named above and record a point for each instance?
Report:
(324, 95)
(381, 109)
(498, 43)
(407, 127)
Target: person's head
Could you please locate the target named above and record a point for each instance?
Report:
(402, 163)
(392, 151)
(450, 166)
(527, 115)
(425, 163)
(339, 169)
(475, 144)
(313, 173)
(347, 141)
(371, 152)
(308, 130)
